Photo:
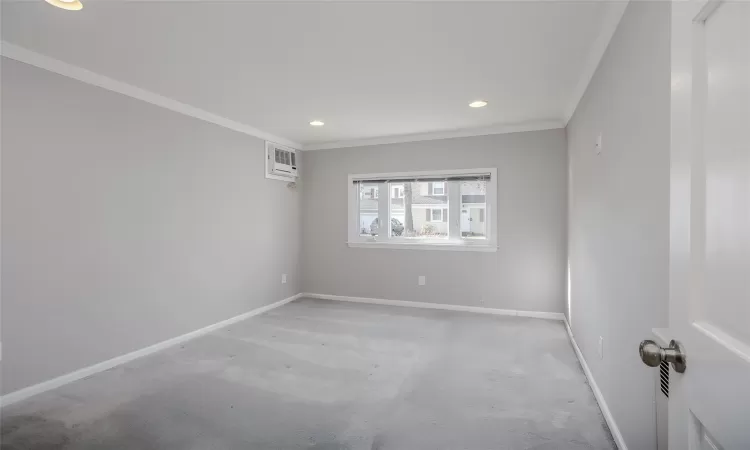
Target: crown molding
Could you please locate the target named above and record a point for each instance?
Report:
(466, 132)
(50, 64)
(609, 26)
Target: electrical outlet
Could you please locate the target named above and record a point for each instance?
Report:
(283, 278)
(422, 280)
(600, 350)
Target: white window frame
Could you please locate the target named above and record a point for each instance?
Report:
(454, 241)
(442, 188)
(432, 215)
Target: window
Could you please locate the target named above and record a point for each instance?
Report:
(473, 209)
(437, 215)
(425, 210)
(414, 213)
(368, 209)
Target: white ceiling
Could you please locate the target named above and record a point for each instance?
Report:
(369, 70)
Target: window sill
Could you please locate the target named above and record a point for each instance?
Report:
(452, 247)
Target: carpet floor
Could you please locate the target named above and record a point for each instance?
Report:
(317, 374)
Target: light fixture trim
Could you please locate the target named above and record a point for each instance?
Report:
(478, 103)
(317, 123)
(70, 5)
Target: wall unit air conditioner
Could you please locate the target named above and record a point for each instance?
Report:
(281, 162)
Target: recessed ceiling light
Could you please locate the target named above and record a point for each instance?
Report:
(70, 5)
(478, 104)
(317, 123)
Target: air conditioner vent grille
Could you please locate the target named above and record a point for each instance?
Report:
(281, 162)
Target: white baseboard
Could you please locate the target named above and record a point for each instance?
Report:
(54, 383)
(474, 309)
(597, 394)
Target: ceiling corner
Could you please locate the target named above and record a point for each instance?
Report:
(596, 53)
(26, 56)
(446, 134)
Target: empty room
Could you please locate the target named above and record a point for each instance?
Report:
(375, 225)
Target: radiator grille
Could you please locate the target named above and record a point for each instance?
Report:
(664, 375)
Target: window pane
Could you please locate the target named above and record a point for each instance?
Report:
(417, 212)
(368, 209)
(473, 209)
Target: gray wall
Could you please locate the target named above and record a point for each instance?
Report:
(619, 215)
(527, 272)
(125, 224)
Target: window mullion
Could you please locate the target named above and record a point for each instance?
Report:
(384, 200)
(353, 211)
(490, 213)
(454, 210)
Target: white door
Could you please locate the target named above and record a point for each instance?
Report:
(709, 405)
(465, 219)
